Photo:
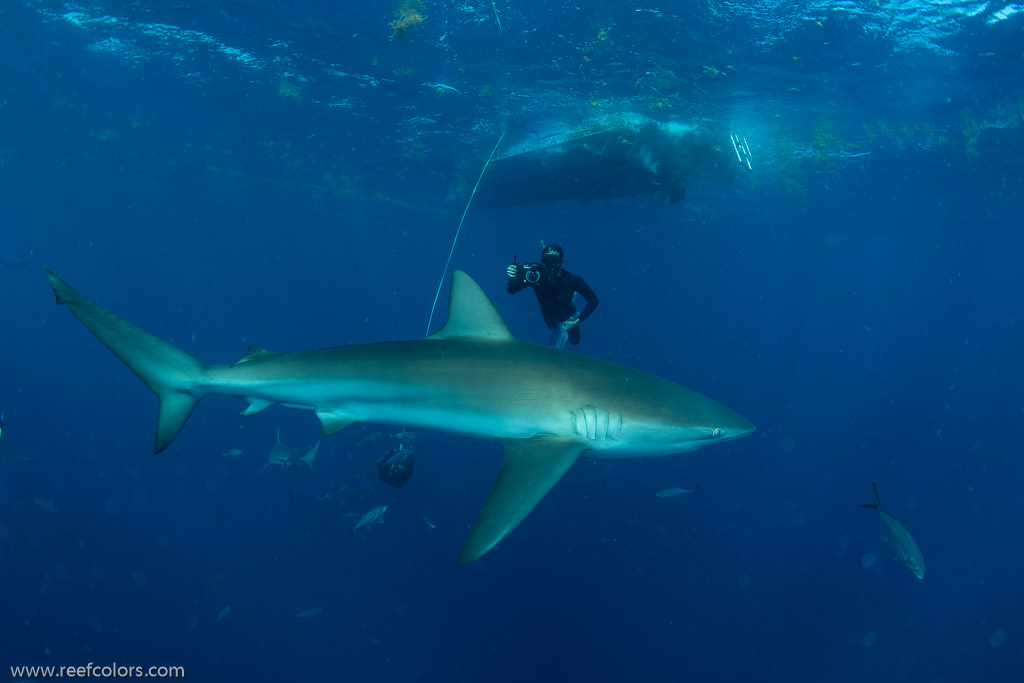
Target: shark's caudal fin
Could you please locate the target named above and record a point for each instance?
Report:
(310, 455)
(531, 467)
(877, 505)
(172, 374)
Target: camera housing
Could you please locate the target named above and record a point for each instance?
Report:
(534, 271)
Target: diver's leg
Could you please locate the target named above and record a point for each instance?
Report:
(558, 337)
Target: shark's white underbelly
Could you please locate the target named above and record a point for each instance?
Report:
(476, 414)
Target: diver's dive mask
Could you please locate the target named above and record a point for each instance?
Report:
(552, 256)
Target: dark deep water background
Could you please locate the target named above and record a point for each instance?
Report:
(863, 311)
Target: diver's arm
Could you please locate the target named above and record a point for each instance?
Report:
(592, 301)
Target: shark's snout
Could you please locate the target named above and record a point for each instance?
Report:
(732, 426)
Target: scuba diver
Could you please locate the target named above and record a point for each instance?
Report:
(554, 287)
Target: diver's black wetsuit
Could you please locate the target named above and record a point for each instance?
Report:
(554, 290)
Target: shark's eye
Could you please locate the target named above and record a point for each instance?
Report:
(716, 433)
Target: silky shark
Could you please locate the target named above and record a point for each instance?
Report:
(472, 378)
(284, 456)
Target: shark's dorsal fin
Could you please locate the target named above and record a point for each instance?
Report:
(253, 353)
(531, 467)
(471, 314)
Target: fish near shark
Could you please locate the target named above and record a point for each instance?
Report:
(472, 378)
(899, 538)
(676, 492)
(374, 515)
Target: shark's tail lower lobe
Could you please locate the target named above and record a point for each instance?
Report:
(173, 375)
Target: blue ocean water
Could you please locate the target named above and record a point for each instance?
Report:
(291, 175)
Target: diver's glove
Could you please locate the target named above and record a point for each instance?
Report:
(570, 323)
(513, 270)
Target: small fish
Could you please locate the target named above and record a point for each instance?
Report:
(366, 438)
(675, 493)
(333, 487)
(406, 435)
(363, 492)
(370, 517)
(192, 625)
(20, 457)
(899, 538)
(232, 453)
(223, 613)
(429, 522)
(308, 613)
(443, 87)
(47, 505)
(1, 422)
(12, 261)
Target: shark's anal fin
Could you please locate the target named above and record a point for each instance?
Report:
(256, 405)
(531, 467)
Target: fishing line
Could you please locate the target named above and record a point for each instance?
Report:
(496, 17)
(459, 230)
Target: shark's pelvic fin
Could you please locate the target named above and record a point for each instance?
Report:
(531, 467)
(471, 314)
(332, 423)
(173, 375)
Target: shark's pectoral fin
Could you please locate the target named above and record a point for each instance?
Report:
(331, 423)
(530, 469)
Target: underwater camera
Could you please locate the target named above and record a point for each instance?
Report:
(534, 271)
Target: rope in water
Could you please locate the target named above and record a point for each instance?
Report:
(457, 232)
